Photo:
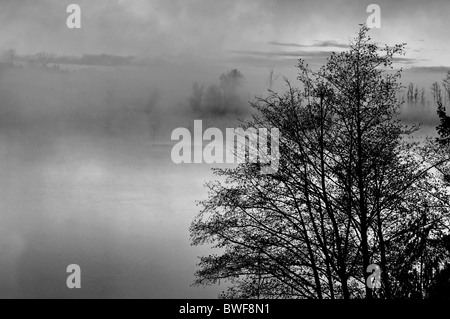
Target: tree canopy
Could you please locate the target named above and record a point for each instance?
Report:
(350, 192)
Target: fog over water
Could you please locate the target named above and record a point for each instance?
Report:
(87, 177)
(125, 225)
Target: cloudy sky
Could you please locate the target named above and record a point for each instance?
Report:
(250, 32)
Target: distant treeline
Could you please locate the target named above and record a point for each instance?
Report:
(45, 58)
(420, 104)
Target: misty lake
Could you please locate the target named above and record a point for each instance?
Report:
(88, 179)
(119, 208)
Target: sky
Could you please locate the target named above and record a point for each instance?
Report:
(250, 32)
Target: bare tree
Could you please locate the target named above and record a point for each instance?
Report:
(344, 197)
(10, 56)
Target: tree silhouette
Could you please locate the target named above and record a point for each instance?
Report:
(349, 192)
(221, 99)
(9, 56)
(439, 98)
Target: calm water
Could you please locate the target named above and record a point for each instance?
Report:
(118, 208)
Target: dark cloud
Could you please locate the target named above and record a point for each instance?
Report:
(85, 59)
(286, 58)
(319, 44)
(288, 54)
(331, 44)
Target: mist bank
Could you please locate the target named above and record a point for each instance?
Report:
(114, 102)
(40, 104)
